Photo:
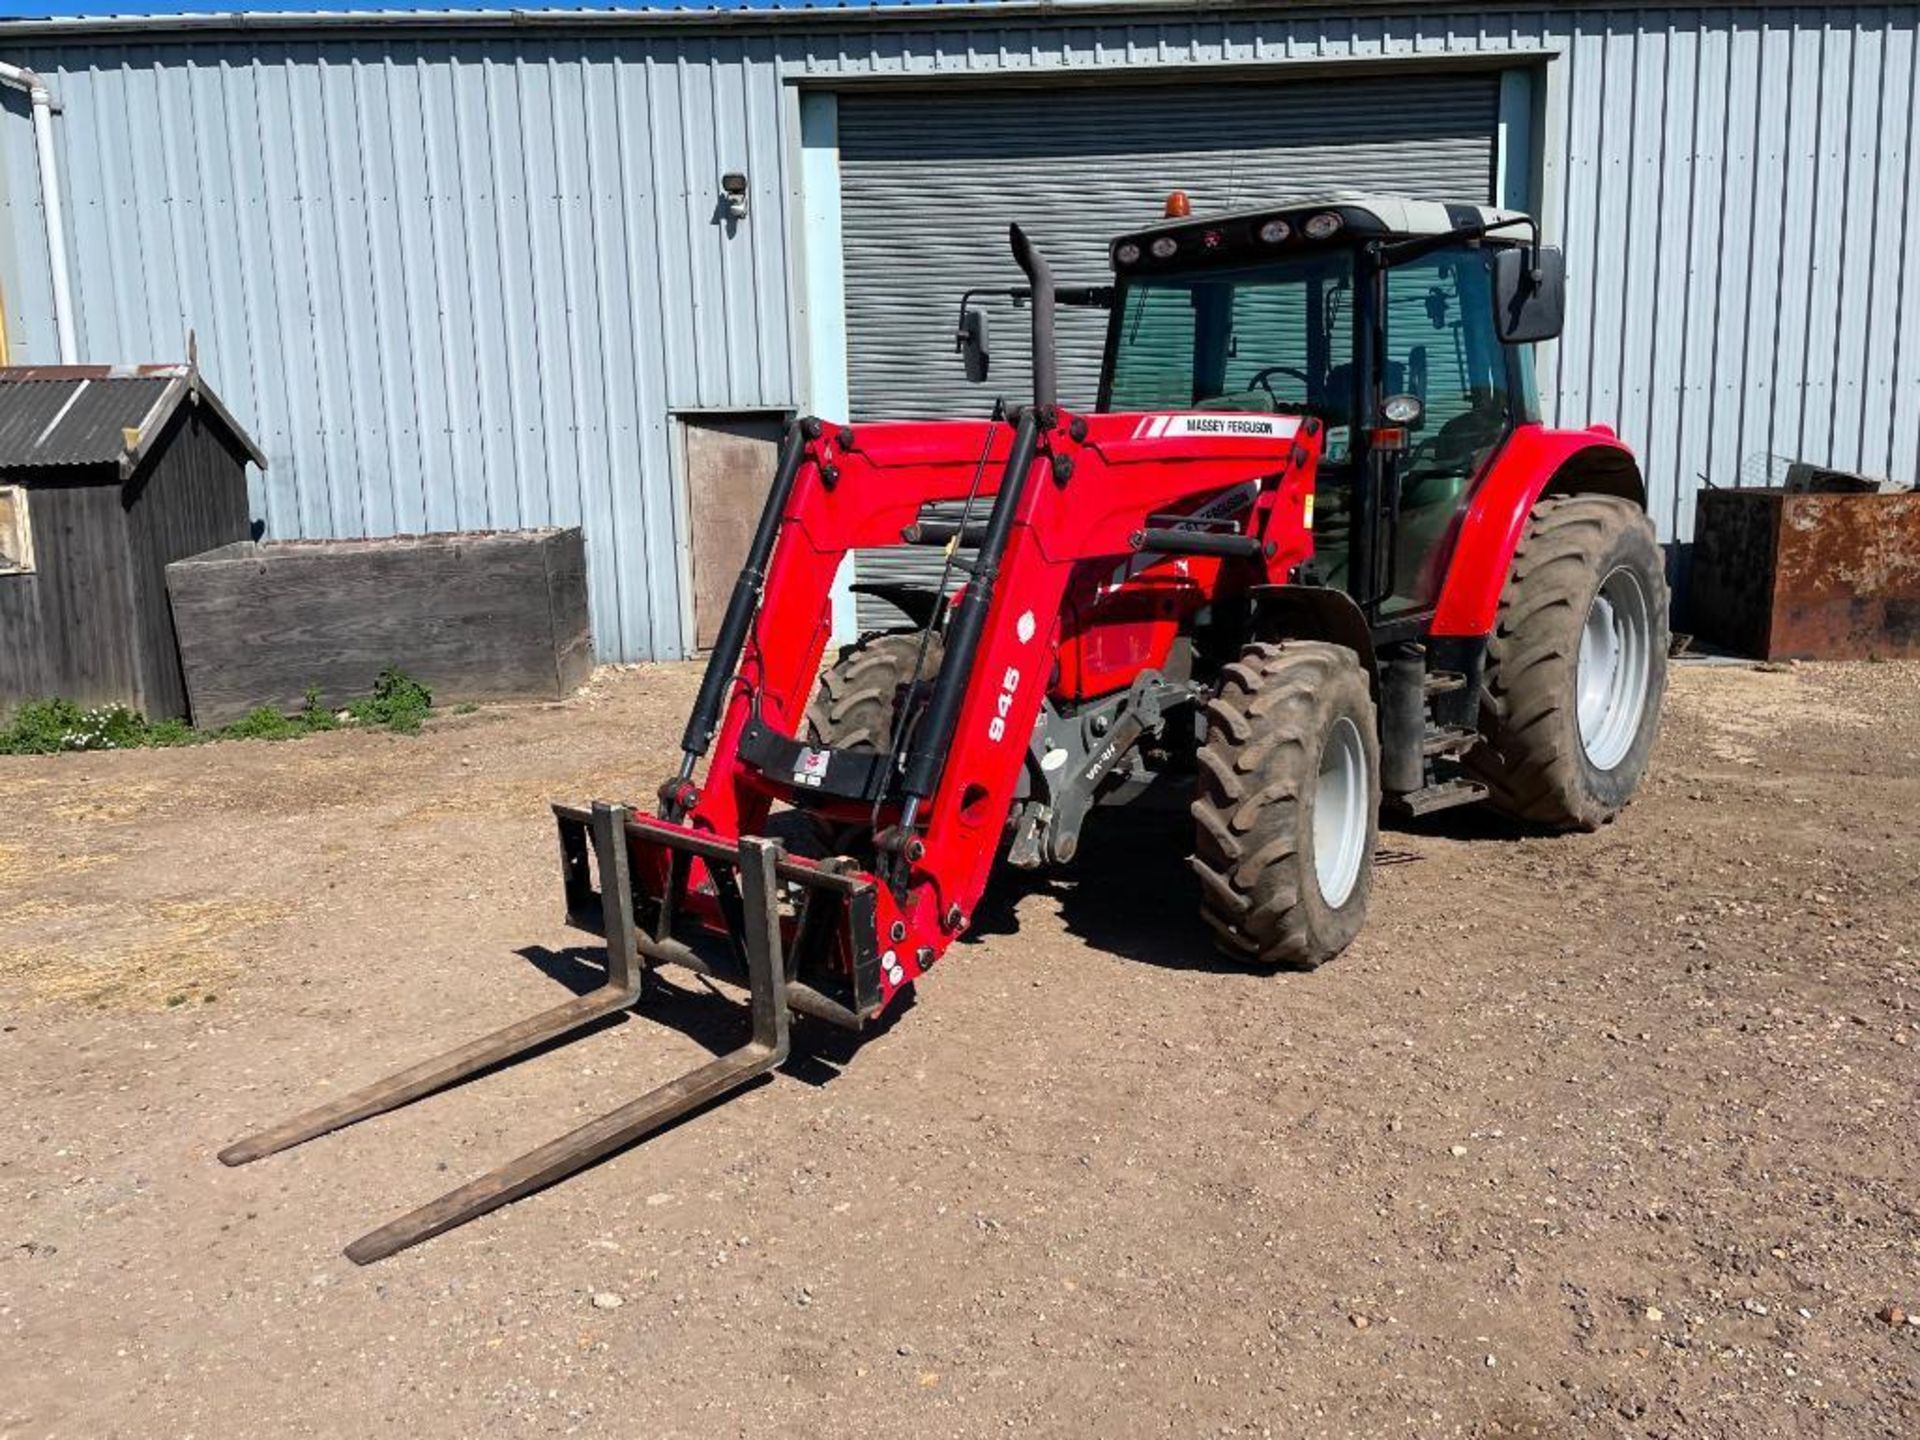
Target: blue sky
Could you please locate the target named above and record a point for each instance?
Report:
(17, 9)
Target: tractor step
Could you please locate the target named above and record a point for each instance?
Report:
(1445, 682)
(1441, 796)
(1447, 741)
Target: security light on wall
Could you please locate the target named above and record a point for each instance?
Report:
(733, 187)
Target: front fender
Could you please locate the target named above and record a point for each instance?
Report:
(1315, 612)
(1534, 463)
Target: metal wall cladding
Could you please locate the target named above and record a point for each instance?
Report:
(1739, 195)
(458, 282)
(929, 186)
(447, 285)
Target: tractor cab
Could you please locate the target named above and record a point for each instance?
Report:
(1392, 321)
(1402, 326)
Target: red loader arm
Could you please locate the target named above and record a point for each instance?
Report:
(1076, 489)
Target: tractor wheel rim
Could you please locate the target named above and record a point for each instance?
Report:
(1340, 813)
(1614, 673)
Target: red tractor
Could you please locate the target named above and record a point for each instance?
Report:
(1312, 551)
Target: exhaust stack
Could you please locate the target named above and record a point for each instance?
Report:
(1040, 276)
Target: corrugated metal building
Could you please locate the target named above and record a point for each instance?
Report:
(472, 271)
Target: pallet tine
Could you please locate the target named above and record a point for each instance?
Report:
(574, 1151)
(622, 988)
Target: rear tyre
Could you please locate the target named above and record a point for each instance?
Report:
(1287, 811)
(859, 698)
(1577, 665)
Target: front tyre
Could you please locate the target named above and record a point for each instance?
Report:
(1287, 811)
(1577, 665)
(858, 706)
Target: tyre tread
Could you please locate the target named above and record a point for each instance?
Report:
(1254, 764)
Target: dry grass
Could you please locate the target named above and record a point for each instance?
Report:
(496, 798)
(103, 805)
(20, 865)
(13, 910)
(181, 952)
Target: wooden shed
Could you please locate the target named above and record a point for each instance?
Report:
(106, 474)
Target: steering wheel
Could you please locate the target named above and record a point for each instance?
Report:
(1263, 378)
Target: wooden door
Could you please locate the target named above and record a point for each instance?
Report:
(730, 461)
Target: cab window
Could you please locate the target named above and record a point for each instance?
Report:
(1264, 338)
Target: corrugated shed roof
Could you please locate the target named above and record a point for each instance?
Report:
(72, 422)
(694, 17)
(64, 416)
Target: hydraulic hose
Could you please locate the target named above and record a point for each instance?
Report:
(930, 741)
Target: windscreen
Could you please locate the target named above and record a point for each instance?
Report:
(1272, 337)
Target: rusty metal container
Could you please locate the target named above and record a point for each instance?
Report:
(1781, 576)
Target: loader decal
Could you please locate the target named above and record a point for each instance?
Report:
(1003, 704)
(1229, 503)
(1259, 427)
(811, 768)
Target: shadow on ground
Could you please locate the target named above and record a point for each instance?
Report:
(1130, 891)
(711, 1015)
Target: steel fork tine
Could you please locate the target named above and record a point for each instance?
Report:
(624, 978)
(574, 1151)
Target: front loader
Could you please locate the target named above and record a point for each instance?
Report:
(1310, 555)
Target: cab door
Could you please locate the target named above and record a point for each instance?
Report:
(1439, 345)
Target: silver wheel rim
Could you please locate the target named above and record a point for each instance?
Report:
(1340, 813)
(1615, 669)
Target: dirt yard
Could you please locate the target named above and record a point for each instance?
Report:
(1611, 1134)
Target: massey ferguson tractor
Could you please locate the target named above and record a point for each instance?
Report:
(1310, 554)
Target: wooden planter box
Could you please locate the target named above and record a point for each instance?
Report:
(490, 615)
(1807, 577)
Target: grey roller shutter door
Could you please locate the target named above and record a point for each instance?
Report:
(929, 184)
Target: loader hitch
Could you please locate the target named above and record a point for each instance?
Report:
(751, 873)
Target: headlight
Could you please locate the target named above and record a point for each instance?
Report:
(1164, 247)
(1274, 231)
(1320, 226)
(1127, 254)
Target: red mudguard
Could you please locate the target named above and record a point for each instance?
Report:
(1497, 517)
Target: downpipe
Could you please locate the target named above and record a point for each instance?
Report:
(44, 107)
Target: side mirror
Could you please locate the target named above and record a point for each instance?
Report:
(1529, 293)
(971, 341)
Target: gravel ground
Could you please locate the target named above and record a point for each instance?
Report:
(1607, 1134)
